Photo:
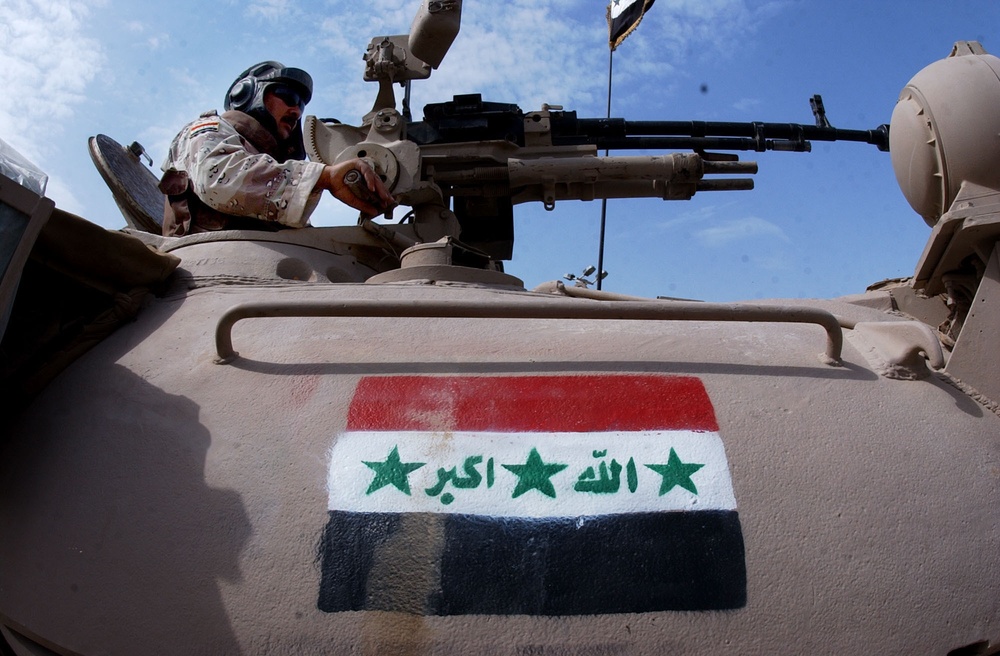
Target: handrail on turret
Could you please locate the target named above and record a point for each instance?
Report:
(533, 309)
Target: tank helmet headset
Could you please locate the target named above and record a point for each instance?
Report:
(246, 93)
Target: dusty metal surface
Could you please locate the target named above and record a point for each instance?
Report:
(190, 499)
(976, 360)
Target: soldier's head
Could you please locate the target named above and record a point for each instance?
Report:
(273, 94)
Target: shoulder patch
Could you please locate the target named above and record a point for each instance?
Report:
(209, 124)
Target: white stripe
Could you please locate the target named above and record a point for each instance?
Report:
(350, 478)
(617, 9)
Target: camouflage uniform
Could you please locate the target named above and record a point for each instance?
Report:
(229, 172)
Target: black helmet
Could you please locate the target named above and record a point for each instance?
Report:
(246, 93)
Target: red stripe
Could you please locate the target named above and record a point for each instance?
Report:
(531, 403)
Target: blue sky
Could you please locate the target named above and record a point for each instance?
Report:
(819, 224)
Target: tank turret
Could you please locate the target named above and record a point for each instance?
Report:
(373, 439)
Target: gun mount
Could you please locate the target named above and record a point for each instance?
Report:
(469, 161)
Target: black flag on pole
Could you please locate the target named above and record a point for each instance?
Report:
(624, 17)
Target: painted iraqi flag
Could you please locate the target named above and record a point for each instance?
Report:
(531, 495)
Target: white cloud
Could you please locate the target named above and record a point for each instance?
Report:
(531, 52)
(747, 104)
(271, 9)
(522, 52)
(734, 230)
(675, 33)
(697, 215)
(48, 61)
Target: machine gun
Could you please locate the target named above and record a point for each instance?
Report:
(468, 162)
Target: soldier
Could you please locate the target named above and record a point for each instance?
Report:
(246, 169)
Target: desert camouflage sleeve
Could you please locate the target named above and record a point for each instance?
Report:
(228, 177)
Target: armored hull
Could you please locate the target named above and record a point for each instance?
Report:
(372, 440)
(155, 500)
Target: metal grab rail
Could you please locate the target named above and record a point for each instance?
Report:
(536, 309)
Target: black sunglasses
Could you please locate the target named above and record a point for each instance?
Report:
(288, 95)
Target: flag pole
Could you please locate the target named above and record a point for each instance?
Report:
(604, 201)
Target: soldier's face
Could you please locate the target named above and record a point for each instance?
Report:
(285, 110)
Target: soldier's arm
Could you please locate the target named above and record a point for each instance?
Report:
(230, 179)
(376, 201)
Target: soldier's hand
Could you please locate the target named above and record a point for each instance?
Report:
(355, 183)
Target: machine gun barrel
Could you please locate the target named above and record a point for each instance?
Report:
(675, 176)
(619, 134)
(525, 171)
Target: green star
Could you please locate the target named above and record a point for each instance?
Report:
(534, 475)
(677, 473)
(392, 472)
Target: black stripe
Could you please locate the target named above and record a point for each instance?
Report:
(641, 562)
(347, 552)
(627, 19)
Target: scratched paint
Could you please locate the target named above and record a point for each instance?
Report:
(521, 495)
